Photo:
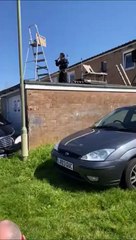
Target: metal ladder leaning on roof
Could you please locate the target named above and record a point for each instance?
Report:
(37, 43)
(123, 74)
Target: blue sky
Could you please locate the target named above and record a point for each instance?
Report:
(80, 29)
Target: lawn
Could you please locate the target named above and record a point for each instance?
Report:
(48, 206)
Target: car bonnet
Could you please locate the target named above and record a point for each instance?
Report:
(90, 139)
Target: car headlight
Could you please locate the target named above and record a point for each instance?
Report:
(56, 146)
(98, 155)
(18, 139)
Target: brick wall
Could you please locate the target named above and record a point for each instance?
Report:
(53, 114)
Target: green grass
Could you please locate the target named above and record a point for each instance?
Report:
(50, 207)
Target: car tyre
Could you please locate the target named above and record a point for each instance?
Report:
(130, 174)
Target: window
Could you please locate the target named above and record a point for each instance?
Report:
(128, 61)
(118, 115)
(133, 118)
(71, 76)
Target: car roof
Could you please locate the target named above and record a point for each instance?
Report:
(127, 107)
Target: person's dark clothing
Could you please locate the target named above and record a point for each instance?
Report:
(63, 76)
(63, 64)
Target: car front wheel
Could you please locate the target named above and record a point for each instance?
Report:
(130, 174)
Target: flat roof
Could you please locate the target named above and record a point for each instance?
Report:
(67, 87)
(10, 90)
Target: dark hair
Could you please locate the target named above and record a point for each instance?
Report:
(62, 54)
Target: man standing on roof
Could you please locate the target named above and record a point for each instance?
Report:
(62, 63)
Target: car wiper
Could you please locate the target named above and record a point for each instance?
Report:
(109, 127)
(128, 130)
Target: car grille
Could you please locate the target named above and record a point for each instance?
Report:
(68, 153)
(6, 142)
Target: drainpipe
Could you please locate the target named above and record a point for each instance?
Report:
(24, 137)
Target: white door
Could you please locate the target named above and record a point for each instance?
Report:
(14, 111)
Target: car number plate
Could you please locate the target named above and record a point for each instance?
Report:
(65, 163)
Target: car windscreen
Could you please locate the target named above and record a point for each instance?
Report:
(121, 119)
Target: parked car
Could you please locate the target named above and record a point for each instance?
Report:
(104, 154)
(9, 141)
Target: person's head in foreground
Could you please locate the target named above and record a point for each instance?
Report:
(10, 231)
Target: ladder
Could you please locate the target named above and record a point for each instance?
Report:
(37, 44)
(123, 75)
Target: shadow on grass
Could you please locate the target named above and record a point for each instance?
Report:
(49, 172)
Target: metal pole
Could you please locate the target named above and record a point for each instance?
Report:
(24, 139)
(82, 77)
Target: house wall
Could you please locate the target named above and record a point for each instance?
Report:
(58, 111)
(112, 58)
(11, 109)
